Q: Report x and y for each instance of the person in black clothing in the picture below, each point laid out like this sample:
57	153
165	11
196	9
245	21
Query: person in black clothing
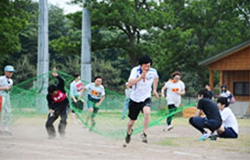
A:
58	104
212	121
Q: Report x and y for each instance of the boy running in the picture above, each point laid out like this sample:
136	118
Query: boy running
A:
76	93
141	79
58	104
175	88
96	95
6	84
212	121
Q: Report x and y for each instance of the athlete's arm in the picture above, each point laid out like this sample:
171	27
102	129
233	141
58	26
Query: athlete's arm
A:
163	91
50	103
5	88
82	91
61	82
72	93
155	85
100	102
181	92
132	82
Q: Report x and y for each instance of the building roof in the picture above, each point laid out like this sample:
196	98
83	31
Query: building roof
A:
225	53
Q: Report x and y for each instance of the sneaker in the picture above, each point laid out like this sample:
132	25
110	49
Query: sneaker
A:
92	126
213	137
128	137
144	138
204	137
168	128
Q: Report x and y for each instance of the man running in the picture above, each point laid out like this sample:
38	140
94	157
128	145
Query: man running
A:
6	83
141	79
175	88
58	104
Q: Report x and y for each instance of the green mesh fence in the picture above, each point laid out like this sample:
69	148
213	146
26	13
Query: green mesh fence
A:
29	99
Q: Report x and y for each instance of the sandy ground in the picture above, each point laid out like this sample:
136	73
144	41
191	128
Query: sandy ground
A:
29	142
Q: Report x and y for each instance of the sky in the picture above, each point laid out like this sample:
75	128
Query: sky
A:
63	4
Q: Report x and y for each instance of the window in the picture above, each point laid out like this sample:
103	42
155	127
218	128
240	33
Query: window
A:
241	88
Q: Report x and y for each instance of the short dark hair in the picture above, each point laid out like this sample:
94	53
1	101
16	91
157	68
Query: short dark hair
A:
52	88
223	100
97	77
175	73
204	92
224	86
75	75
145	60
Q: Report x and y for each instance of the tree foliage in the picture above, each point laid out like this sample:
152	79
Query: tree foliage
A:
176	34
13	19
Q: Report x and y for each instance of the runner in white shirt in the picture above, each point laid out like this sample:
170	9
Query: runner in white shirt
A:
229	127
141	79
175	88
6	84
76	93
96	95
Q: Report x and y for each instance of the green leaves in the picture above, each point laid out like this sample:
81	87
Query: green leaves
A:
12	21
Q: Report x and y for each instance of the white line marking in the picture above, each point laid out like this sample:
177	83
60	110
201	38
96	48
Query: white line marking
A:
187	154
155	150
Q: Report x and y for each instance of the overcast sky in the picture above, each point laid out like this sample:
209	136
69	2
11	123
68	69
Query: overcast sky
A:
63	4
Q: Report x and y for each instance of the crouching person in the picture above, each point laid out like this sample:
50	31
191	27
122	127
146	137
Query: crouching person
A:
212	121
229	127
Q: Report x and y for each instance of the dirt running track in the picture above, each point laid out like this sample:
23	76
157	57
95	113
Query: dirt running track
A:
29	142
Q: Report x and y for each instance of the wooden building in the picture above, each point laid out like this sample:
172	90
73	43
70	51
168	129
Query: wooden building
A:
234	67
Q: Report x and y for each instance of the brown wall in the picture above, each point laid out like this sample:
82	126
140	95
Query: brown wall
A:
237	61
229	77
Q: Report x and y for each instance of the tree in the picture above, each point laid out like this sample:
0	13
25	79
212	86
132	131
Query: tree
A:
13	19
129	17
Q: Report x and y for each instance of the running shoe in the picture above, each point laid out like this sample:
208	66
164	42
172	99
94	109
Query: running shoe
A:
144	138
168	128
128	137
204	137
213	137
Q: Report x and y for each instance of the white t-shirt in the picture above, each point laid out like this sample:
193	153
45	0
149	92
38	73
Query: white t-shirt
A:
142	90
229	119
5	82
172	88
226	94
94	91
75	88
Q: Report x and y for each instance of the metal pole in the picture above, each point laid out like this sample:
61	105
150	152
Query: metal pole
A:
43	51
86	43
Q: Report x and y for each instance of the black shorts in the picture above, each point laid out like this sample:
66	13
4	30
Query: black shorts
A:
78	106
135	108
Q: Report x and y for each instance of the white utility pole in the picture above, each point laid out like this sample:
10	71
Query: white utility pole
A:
43	50
86	49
